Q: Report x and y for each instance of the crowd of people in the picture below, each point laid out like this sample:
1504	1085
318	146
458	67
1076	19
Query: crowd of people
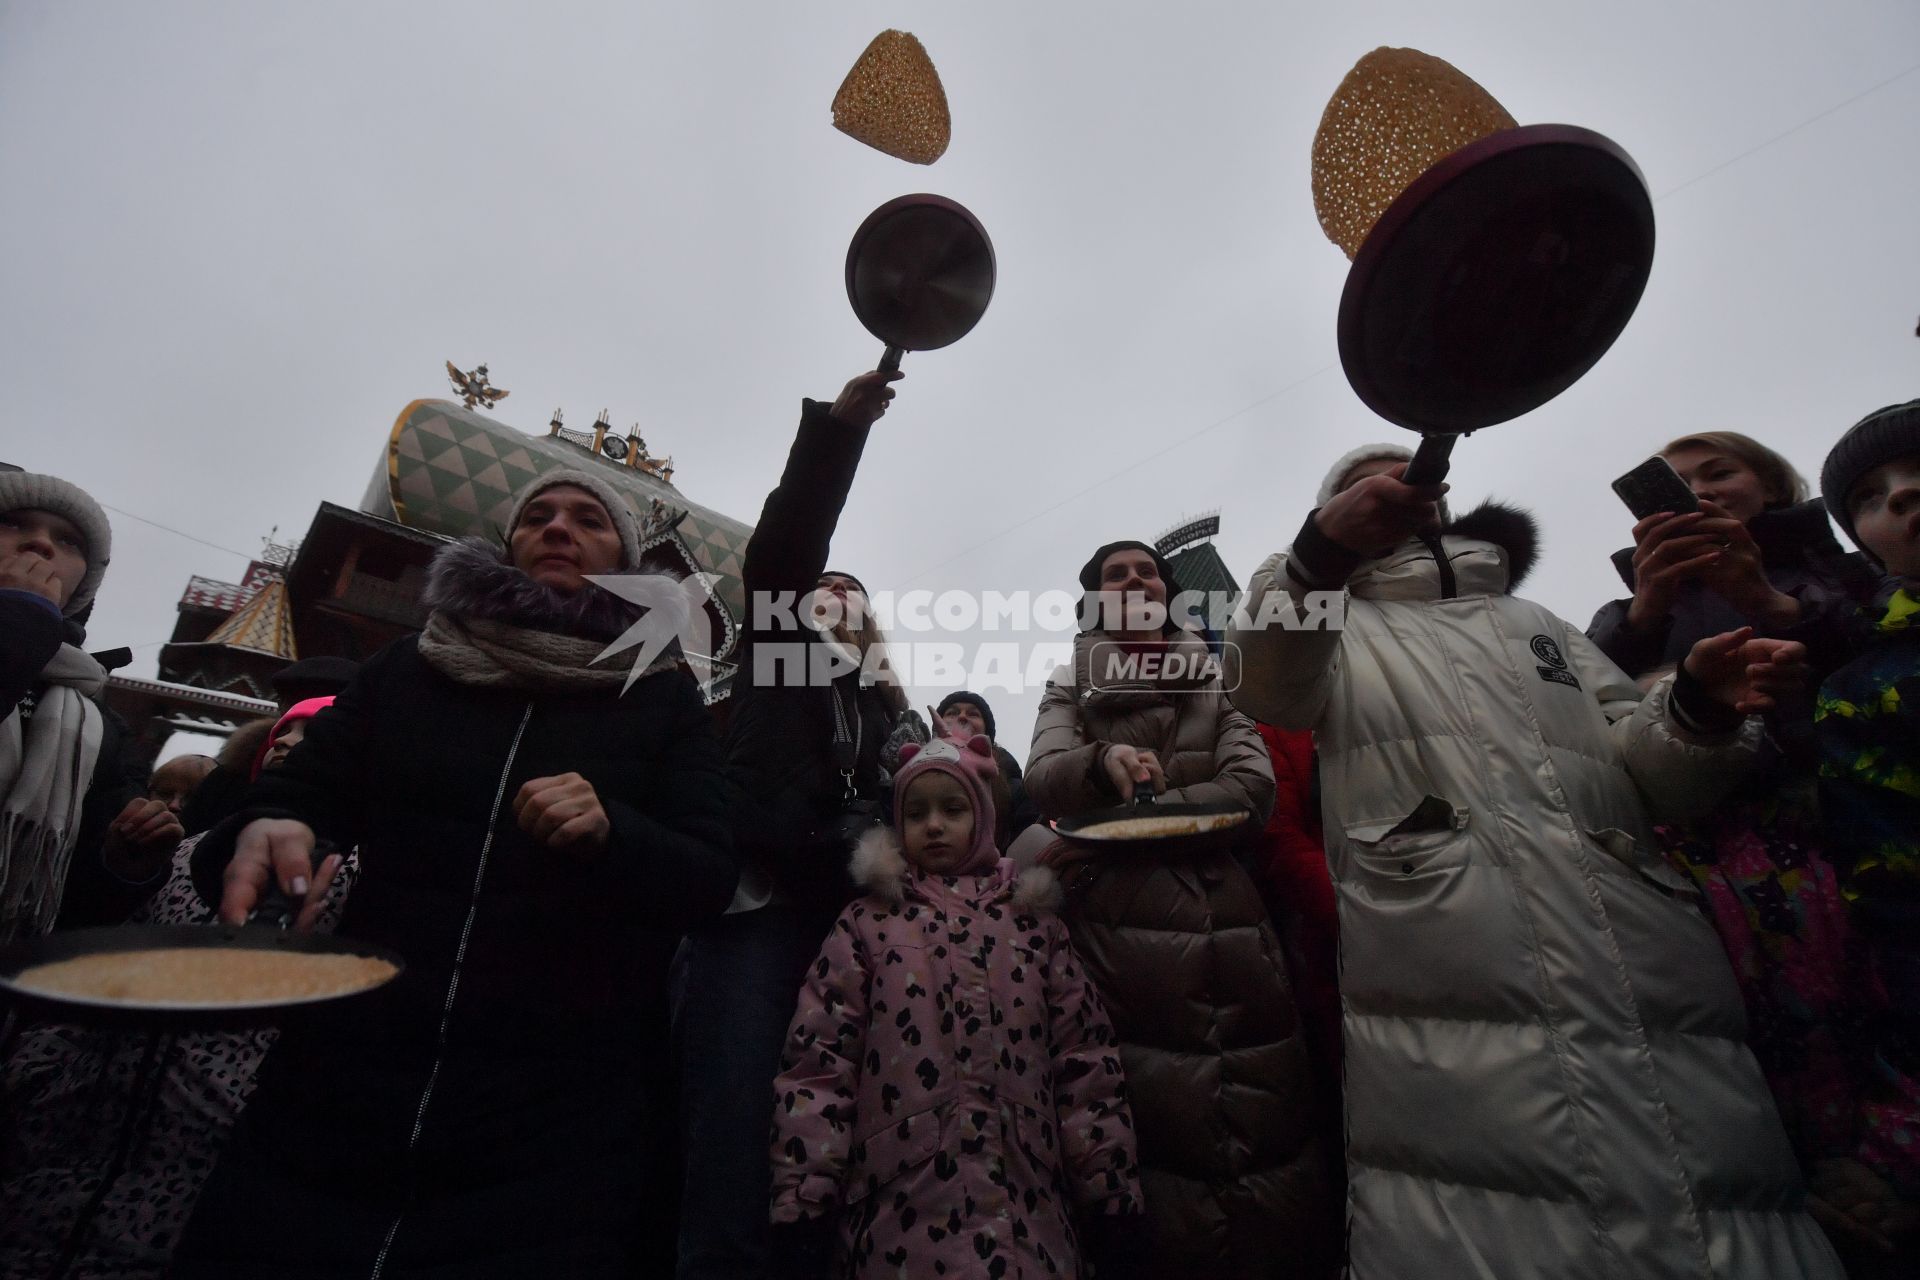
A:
1545	952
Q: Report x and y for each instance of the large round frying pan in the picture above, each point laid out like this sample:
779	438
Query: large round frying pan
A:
920	273
21	956
1494	281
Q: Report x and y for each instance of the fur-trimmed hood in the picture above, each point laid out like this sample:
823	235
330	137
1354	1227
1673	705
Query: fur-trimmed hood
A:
1487	552
471	578
1508	527
880	866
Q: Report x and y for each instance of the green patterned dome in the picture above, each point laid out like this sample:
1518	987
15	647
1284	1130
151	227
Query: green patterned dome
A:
453	471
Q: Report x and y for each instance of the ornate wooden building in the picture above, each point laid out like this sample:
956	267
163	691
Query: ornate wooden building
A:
354	582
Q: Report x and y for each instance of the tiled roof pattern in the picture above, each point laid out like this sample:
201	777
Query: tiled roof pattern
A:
210	593
264	623
451	470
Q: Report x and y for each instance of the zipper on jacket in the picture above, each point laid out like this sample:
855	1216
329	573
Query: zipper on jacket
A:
453	984
1449	588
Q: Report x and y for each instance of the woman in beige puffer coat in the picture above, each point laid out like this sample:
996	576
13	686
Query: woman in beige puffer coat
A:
1181	949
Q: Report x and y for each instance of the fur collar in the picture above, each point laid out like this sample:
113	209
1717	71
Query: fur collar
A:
881	868
1508	527
471	578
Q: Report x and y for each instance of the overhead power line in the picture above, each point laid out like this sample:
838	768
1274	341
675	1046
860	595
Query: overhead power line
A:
175	532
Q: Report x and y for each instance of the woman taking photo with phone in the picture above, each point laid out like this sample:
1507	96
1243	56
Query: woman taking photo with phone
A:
1755	553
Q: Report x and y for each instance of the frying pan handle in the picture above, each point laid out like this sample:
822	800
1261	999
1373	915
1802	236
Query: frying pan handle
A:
890	359
1430	460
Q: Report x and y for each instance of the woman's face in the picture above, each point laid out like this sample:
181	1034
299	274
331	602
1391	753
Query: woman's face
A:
565	534
964	721
52	538
840	606
1721	478
1131	577
283	745
936	823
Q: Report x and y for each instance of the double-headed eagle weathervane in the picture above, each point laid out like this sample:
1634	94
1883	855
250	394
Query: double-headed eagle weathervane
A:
473	387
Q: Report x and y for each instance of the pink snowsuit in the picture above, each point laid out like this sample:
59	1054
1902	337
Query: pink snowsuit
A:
951	1088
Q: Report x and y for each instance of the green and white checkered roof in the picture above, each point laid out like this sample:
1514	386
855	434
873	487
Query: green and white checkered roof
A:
451	470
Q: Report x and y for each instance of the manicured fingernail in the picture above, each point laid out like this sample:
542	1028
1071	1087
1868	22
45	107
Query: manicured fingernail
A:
297	885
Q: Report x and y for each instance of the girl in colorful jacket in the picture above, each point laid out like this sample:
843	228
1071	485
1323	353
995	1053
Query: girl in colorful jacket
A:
950	1100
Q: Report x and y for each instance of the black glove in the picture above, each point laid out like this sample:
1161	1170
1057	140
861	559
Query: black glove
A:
1116	1245
802	1250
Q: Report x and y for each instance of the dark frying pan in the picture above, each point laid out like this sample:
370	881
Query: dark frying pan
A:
1493	282
1075	828
920	273
21	956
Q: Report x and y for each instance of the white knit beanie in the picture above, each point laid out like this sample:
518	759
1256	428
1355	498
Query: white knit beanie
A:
624	520
27	491
1365	453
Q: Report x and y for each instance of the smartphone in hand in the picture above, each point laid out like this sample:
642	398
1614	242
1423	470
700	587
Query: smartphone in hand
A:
1654	487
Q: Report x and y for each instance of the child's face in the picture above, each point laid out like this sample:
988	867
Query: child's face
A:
290	737
1885	506
937	823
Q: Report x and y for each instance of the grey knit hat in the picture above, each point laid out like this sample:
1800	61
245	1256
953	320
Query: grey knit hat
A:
1880	437
1365	453
26	491
624	520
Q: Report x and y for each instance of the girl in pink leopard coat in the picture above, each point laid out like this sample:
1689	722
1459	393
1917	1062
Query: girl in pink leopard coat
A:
950	1101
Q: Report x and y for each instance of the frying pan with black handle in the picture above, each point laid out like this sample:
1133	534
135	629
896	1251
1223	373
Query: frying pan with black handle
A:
920	273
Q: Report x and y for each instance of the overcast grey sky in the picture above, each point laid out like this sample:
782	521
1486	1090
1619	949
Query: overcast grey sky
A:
239	237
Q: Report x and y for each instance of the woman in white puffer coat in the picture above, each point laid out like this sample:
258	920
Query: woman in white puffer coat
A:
1546	1073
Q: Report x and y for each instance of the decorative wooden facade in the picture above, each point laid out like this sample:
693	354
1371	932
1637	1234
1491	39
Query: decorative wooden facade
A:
355	581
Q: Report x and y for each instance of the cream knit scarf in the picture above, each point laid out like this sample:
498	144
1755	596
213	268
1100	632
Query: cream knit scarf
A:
479	651
46	766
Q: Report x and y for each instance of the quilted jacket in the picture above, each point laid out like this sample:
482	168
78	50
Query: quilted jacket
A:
1190	967
1545	1067
950	1090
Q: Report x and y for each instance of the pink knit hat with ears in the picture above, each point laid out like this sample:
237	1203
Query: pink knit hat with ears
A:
973	764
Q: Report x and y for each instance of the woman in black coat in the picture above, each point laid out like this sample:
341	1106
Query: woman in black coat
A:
532	842
800	754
